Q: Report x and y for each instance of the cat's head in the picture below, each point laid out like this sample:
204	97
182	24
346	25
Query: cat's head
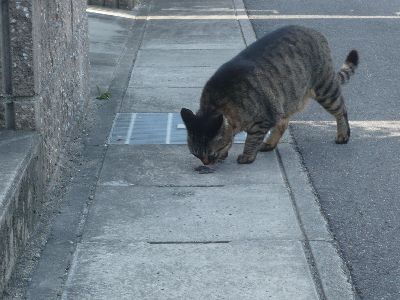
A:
209	137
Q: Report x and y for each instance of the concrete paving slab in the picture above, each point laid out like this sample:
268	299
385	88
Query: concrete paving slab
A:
193	34
108	48
160	99
160	43
102	59
129	213
171	76
191	7
200	11
184	58
106	29
108	37
173	165
193	28
237	270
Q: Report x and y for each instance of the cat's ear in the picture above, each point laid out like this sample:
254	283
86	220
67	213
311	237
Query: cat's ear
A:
188	118
215	124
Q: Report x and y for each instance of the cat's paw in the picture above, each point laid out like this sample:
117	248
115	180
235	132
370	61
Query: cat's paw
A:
245	159
223	156
266	147
342	139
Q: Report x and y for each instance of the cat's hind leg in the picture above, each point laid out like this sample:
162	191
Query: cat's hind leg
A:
275	135
332	100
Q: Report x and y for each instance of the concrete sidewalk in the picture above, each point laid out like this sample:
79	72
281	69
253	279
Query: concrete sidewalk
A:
156	229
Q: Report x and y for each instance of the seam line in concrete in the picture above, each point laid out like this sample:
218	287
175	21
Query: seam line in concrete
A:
261	239
71	272
246	28
138	49
187	242
238	21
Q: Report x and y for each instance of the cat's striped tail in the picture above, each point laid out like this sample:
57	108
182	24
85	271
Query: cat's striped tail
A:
348	67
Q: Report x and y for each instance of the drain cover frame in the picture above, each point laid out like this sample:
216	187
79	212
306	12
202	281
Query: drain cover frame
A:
151	129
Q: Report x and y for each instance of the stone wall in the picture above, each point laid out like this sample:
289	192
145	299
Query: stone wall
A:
48	48
61	52
17	53
121	4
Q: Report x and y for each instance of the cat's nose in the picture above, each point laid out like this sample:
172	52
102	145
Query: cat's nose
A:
205	161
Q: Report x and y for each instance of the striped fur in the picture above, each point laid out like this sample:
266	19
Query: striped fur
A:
348	67
261	88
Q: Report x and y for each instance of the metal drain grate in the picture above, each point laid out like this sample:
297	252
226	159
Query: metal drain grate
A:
151	128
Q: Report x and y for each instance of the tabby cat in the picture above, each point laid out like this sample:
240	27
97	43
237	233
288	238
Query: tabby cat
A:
259	89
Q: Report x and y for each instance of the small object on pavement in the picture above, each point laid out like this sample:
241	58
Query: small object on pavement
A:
204	169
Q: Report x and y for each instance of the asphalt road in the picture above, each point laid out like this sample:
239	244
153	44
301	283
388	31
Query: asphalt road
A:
357	183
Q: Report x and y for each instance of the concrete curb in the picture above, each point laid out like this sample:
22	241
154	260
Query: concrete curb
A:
248	33
327	267
331	276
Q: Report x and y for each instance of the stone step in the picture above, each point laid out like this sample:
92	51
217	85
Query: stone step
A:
20	195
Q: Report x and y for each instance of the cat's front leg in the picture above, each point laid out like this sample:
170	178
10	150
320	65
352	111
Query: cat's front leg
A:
251	146
223	156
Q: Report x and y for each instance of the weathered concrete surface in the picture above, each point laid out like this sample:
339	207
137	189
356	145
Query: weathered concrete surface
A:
183	58
236	270
21	194
193	34
108	35
164	99
193	67
171	77
191	214
172	165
